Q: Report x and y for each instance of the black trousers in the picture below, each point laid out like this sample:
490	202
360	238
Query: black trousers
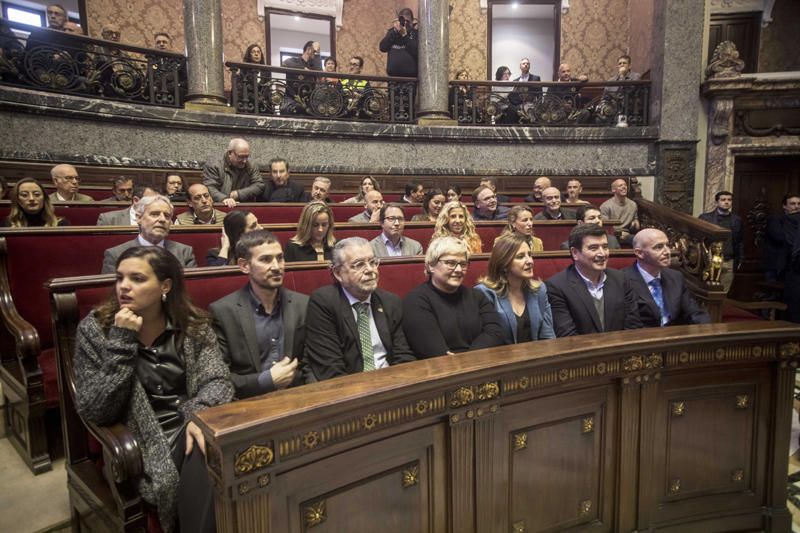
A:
195	495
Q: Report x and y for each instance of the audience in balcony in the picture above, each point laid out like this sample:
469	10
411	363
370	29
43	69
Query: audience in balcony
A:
162	41
454	221
432	204
592	215
504	110
56	17
201	208
330	65
541	183
261	327
520	95
414	193
356	90
624	73
174	188
519	300
314	239
280	187
67	182
237	223
148	358
254	54
552	206
235	178
368	183
319	189
373	202
354	67
587	297
401	45
72	27
573	192
308	60
127	215
733	247
453	193
154	217
661	292
121	189
520	222
391	242
620	207
441	316
486	206
31	207
464	102
353	325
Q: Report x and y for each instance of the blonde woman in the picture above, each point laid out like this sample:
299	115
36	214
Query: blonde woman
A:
520	221
519	298
31	207
454	221
368	183
314	239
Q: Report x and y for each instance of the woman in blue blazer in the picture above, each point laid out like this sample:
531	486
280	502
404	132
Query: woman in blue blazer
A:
520	300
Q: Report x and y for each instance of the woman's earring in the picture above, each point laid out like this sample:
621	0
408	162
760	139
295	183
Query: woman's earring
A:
164	297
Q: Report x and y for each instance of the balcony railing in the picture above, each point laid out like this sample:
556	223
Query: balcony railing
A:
49	60
287	92
485	103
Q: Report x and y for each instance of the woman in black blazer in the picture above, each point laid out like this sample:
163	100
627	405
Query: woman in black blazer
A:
314	239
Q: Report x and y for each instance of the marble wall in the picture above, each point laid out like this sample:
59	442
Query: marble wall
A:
775	53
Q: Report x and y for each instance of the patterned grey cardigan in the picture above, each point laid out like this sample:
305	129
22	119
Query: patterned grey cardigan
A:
108	391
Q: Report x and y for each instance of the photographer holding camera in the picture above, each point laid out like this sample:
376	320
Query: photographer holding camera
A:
401	43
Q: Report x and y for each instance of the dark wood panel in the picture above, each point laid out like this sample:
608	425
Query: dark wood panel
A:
741	28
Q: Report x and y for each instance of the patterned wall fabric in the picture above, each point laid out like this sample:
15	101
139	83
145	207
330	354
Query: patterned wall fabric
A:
138	20
593	35
641	37
468	27
364	23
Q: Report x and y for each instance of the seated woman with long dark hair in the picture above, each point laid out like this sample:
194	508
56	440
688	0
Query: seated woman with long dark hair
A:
432	204
314	239
235	224
368	183
31	207
149	359
519	299
441	316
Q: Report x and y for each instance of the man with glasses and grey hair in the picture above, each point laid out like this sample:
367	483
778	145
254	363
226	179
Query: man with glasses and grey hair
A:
67	182
353	326
234	179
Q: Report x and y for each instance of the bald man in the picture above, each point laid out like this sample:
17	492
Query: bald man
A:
661	293
235	178
620	207
551	197
67	182
541	183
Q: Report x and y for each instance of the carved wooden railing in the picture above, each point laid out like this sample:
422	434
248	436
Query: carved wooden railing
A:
279	91
684	427
50	60
483	103
697	251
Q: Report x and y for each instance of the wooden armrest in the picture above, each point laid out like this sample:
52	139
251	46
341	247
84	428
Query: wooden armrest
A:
120	451
756	306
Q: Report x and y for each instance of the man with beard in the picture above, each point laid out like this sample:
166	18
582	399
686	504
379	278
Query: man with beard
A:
126	216
353	326
661	292
552	207
261	327
373	203
280	187
154	216
588	297
235	178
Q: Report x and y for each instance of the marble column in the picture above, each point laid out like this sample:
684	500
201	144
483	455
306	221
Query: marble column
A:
433	62
202	20
675	99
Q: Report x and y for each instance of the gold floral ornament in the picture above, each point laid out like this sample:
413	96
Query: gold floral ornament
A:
315	514
253	458
520	441
410	476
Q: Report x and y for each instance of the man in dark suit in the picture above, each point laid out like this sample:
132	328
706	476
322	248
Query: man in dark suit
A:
525	94
587	297
261	327
353	326
733	248
780	234
280	188
154	216
661	292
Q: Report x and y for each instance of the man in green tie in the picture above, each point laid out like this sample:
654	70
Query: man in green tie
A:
353	326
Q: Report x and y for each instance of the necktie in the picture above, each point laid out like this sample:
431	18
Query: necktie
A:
364	335
658	296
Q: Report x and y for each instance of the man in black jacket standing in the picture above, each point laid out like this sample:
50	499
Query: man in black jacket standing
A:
732	249
400	43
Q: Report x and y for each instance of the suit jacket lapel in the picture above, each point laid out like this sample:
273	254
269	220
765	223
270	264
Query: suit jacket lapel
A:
346	311
381	323
508	311
644	291
288	317
244	312
579	288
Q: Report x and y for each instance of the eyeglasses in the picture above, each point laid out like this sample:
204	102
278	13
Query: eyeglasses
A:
392	220
355	65
452	265
71	178
360	266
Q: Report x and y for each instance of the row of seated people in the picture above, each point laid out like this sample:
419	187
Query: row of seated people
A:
149	358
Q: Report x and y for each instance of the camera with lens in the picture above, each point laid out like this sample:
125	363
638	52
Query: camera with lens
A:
402	20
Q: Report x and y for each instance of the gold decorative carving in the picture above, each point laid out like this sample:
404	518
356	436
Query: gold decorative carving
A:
462	396
737	476
790	349
587	424
488	391
422	407
454	419
555	377
519	527
471	393
678	408
315	514
674	486
713	263
742	401
263	480
737	352
244	488
311	439
520	441
370	421
253	458
636	363
563	374
470	414
410	476
585	507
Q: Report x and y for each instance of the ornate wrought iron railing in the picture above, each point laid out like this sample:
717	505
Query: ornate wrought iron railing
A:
287	92
50	60
484	103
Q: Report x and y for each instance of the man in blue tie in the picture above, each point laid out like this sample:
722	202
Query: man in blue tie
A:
661	292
